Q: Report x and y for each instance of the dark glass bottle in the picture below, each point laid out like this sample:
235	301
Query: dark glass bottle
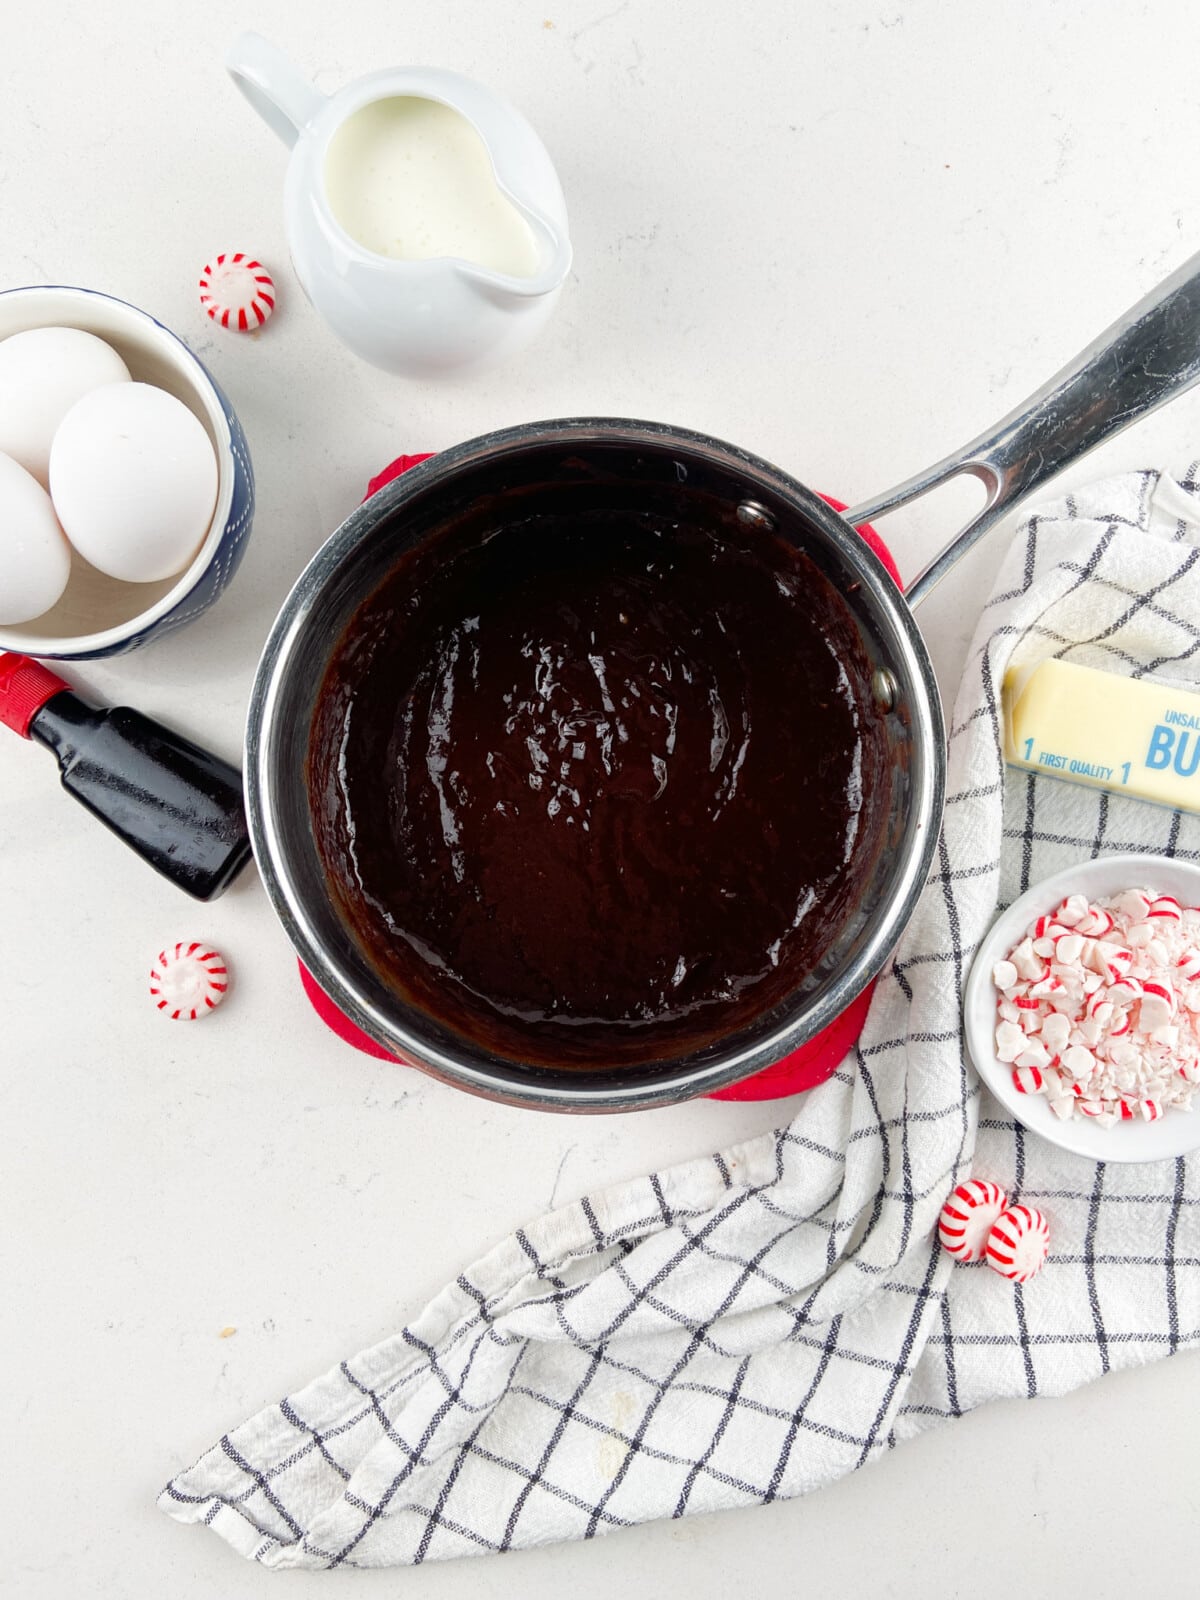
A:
177	805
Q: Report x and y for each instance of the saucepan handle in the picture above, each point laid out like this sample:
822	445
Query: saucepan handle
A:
1146	358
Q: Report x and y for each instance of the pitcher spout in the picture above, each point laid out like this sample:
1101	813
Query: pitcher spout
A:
554	257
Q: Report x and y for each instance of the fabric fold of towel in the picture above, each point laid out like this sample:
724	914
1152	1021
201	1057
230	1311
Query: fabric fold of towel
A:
755	1324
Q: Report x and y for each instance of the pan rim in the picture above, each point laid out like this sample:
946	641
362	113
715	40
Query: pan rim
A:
539	1089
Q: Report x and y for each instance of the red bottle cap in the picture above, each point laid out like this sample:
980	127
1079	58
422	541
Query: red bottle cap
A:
25	686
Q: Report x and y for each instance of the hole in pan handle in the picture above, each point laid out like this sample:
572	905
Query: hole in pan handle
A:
1144	359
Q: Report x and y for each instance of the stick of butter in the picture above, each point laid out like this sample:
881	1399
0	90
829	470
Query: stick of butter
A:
1130	735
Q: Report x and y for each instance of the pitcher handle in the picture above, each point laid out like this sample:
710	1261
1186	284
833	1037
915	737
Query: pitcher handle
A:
1147	357
285	100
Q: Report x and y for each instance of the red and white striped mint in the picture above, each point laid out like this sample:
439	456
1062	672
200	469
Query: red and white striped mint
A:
1166	909
1124	991
1017	1243
968	1216
1073	910
237	291
1027	1078
188	981
1149	1110
1110	960
1100	1008
1133	904
1158	1004
1095	923
1045	989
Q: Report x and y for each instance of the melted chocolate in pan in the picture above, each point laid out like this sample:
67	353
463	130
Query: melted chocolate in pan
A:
597	789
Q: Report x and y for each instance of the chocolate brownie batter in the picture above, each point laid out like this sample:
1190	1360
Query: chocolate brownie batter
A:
596	790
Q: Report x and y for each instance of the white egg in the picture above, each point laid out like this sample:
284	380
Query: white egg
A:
43	372
35	558
134	480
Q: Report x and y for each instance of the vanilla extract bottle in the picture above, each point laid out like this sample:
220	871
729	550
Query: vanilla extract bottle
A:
176	804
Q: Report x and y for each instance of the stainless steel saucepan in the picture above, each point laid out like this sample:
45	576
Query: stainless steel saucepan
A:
1150	355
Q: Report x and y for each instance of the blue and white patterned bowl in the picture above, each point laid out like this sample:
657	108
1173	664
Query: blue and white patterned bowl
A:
98	615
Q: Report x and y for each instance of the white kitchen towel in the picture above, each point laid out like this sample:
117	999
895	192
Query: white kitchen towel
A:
755	1324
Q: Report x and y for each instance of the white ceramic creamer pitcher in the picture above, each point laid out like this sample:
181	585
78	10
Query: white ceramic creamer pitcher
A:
441	311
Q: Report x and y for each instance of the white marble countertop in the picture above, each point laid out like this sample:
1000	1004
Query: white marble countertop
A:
846	236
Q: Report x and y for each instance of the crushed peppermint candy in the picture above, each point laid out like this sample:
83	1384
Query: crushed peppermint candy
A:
1099	1007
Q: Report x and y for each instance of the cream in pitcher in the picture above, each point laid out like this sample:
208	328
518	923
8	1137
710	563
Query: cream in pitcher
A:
409	178
425	219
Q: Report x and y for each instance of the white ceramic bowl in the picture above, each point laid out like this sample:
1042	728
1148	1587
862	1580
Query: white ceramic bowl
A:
99	615
1177	1132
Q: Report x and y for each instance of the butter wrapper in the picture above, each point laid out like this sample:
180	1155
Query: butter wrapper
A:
1128	735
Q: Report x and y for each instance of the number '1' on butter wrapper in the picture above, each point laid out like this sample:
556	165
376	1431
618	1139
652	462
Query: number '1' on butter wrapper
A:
1129	735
